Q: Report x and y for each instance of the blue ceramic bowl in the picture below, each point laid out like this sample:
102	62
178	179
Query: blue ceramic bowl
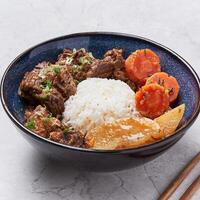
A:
98	43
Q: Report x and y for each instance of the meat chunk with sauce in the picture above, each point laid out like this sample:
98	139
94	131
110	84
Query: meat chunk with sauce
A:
116	57
64	83
111	66
72	138
31	82
113	61
49	85
42	123
101	69
78	61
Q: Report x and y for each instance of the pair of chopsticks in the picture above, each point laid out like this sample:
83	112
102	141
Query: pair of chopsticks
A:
180	178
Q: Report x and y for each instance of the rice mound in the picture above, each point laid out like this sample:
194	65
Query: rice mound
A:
99	101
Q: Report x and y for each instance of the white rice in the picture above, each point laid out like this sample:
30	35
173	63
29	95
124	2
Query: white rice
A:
99	101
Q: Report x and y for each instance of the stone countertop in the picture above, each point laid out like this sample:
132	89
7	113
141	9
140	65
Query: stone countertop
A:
24	173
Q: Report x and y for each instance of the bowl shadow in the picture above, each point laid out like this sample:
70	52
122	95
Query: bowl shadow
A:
60	180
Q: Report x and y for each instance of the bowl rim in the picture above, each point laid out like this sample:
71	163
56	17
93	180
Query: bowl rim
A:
121	151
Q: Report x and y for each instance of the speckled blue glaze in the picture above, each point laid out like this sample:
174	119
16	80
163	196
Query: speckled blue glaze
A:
98	44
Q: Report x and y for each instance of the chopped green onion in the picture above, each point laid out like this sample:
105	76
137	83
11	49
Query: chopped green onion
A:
49	115
76	82
30	124
47	119
59	117
83	61
56	70
47	85
68	130
75	69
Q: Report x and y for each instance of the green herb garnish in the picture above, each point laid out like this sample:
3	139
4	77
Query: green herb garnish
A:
47	119
56	70
59	117
47	85
30	124
75	69
76	82
49	115
67	130
84	60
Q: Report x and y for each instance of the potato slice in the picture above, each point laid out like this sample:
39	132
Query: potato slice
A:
123	134
170	120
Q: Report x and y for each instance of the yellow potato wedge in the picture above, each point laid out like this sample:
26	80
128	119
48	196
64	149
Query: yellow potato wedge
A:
130	132
170	120
123	134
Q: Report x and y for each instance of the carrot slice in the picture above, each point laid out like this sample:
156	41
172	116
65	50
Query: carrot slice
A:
142	64
168	82
152	100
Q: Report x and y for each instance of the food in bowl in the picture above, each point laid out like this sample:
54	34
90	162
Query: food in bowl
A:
109	103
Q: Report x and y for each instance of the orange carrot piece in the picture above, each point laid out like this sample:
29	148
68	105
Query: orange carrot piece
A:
152	100
168	82
141	64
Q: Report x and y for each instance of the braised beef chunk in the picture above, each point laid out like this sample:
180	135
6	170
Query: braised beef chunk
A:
116	57
35	119
64	83
78	61
73	138
109	66
49	85
101	69
31	83
41	122
54	101
63	57
75	57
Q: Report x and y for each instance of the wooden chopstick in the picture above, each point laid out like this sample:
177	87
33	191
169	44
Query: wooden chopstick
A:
191	189
179	179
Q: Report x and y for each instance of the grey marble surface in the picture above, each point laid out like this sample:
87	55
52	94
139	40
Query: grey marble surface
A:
24	173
